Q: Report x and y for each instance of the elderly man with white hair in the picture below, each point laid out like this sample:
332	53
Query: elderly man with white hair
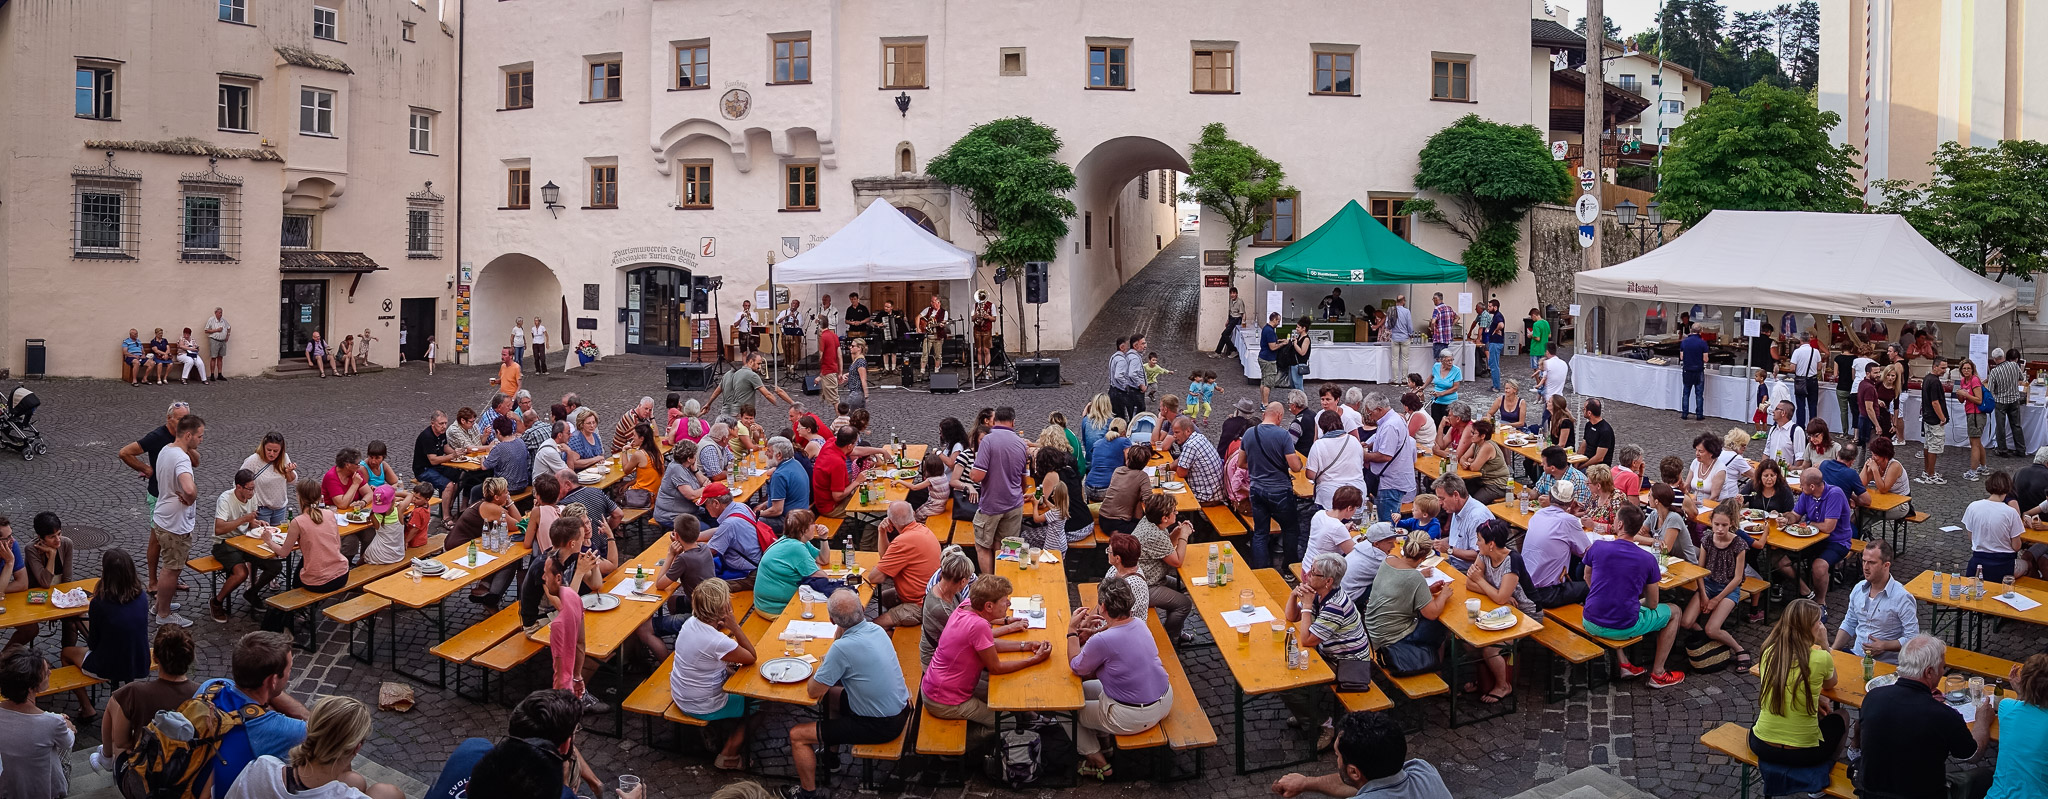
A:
2004	382
1556	538
622	433
910	556
1389	457
872	705
1909	733
714	453
1198	463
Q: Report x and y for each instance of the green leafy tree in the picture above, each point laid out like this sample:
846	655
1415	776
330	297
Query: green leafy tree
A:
1987	207
1234	180
1015	190
1490	174
1761	149
1611	30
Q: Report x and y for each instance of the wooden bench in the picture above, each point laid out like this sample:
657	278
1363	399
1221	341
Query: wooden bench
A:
461	647
509	653
1732	739
831	524
212	568
69	678
1226	523
939	737
1574	617
347	613
1375	700
652	698
1986	666
1187	725
2031	583
911	661
300	600
1571	647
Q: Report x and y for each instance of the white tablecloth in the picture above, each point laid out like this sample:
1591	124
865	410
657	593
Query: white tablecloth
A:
1652	386
1369	363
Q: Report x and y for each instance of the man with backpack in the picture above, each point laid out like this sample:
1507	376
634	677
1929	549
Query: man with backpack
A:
737	541
228	724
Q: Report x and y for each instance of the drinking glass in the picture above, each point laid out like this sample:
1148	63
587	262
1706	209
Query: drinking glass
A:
1279	631
1976	689
807	610
628	783
1038	606
1244	636
790	647
2008	586
1244	601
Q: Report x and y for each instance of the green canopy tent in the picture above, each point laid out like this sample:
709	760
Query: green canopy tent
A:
1353	248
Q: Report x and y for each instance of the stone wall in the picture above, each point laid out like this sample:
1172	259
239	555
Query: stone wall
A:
1555	256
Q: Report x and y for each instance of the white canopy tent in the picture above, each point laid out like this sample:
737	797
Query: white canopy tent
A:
1872	265
880	244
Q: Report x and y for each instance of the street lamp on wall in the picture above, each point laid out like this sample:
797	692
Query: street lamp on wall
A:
551	196
1652	219
903	103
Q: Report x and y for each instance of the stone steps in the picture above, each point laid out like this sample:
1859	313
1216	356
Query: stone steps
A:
87	784
1586	783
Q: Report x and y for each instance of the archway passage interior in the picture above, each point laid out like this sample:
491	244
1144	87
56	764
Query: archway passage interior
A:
512	287
1126	196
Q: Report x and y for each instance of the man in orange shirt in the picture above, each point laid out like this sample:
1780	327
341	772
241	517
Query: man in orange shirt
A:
910	556
508	377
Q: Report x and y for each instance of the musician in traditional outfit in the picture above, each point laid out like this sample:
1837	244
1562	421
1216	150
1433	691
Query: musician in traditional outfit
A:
743	333
791	320
886	333
932	323
984	328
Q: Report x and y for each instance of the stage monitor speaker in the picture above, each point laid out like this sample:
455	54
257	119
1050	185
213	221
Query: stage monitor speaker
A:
1035	278
689	377
811	385
945	383
1038	373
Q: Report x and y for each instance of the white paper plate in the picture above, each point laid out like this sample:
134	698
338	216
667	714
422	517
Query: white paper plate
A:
1880	681
355	518
597	603
1504	623
785	671
1173	486
1794	530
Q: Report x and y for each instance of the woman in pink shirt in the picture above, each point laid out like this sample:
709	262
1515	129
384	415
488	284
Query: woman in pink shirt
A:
952	685
315	534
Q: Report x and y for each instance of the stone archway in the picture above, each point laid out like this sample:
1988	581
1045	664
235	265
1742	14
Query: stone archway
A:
1119	225
512	286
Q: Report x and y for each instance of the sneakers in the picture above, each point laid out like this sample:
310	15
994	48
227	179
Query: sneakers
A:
1934	479
219	609
795	791
1974	475
99	765
1326	739
174	618
1667	679
1630	671
591	706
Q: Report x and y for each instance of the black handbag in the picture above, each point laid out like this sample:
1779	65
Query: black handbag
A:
1353	674
1404	659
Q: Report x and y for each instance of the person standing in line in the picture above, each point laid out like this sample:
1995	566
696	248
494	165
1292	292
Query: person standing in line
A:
1227	344
1539	337
519	339
1807	363
1496	340
217	329
1933	420
540	345
172	521
1443	325
1270	376
1400	328
2007	384
1692	359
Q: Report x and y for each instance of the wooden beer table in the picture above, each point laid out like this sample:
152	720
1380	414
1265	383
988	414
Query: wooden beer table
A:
1261	667
1467	631
413	591
1969	613
748	681
15	610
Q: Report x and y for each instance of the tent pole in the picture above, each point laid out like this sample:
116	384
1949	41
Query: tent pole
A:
775	371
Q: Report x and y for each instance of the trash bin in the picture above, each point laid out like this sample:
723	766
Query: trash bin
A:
36	354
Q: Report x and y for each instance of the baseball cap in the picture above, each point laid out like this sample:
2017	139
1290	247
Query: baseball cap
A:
716	490
1380	531
380	498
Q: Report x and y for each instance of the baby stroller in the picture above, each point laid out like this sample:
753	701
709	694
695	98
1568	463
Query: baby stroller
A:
17	428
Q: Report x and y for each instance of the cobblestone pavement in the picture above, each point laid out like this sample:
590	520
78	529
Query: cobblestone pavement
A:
1647	737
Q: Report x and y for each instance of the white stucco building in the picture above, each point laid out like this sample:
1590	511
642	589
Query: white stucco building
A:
688	144
291	163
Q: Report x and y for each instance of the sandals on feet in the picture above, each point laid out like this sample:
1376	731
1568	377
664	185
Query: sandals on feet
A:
1742	662
1491	698
1100	773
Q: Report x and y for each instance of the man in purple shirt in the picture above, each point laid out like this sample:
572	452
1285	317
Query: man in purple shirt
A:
1389	458
1555	537
999	468
1622	604
1825	507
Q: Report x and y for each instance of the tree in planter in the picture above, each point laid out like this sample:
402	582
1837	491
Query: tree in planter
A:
1015	191
1236	181
1761	149
1491	173
1987	207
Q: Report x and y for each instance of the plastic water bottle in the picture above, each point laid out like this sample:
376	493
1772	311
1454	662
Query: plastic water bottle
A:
1955	585
846	551
1223	569
1938	580
472	552
1977	584
1214	555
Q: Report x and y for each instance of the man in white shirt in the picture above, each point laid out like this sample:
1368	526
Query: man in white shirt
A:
519	339
743	328
1785	437
547	459
217	330
826	317
176	513
1332	399
1882	616
540	346
234	513
1550	376
1806	368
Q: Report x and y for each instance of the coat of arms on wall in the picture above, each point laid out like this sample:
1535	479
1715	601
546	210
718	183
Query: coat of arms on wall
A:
736	103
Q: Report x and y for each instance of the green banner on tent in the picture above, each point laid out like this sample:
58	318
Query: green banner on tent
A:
1354	248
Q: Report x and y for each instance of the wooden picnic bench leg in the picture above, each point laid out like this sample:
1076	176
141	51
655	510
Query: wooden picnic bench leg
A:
440	634
369	656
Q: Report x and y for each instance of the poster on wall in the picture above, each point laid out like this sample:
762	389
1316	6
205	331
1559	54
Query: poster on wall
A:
465	274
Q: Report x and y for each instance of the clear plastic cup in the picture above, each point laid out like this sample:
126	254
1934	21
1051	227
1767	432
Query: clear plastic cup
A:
2008	586
1976	689
1244	636
628	783
1244	601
